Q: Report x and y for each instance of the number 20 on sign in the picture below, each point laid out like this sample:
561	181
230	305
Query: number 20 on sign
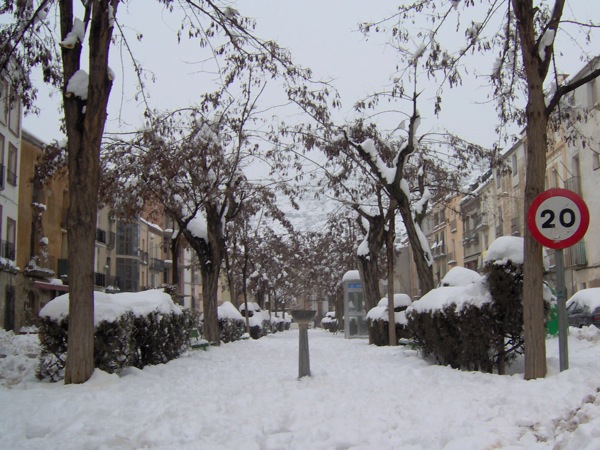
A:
558	218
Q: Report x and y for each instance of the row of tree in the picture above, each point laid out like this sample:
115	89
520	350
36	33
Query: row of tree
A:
194	162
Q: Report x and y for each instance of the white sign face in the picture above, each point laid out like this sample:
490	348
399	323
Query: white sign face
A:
558	218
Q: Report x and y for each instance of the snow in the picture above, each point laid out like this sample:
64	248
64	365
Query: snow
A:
198	227
475	293
246	395
109	307
351	275
78	84
380	312
587	297
74	36
460	276
228	311
388	173
504	249
546	41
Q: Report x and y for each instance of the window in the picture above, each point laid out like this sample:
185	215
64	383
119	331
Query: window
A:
1	161
593	92
100	236
596	160
3	102
11	237
514	167
554	180
128	272
14	118
11	170
127	239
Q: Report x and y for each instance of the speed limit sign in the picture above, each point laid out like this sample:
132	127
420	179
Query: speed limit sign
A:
558	218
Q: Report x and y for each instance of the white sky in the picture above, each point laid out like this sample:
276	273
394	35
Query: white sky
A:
321	35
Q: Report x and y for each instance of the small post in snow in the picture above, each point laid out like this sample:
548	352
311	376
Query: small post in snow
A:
303	317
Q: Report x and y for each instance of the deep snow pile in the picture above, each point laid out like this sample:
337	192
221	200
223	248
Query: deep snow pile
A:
245	395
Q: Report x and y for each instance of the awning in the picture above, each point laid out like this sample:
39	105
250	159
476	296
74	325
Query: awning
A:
51	286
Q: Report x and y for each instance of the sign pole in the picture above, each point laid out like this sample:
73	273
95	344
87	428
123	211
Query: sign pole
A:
559	218
563	344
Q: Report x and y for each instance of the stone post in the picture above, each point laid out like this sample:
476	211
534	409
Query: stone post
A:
303	317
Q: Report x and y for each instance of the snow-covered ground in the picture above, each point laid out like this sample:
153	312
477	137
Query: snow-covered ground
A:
245	395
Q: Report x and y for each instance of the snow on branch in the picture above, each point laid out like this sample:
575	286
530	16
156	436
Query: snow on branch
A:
75	36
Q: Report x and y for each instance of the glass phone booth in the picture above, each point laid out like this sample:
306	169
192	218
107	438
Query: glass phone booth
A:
355	315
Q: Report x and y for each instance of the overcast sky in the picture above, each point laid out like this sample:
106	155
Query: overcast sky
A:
321	34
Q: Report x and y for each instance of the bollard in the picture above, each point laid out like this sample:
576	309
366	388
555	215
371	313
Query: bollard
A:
303	317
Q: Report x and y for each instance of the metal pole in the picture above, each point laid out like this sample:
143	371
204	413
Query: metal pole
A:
303	355
563	345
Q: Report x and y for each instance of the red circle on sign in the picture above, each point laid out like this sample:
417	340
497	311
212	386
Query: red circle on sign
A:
544	198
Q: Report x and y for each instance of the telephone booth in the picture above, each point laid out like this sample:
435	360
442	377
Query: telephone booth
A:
355	315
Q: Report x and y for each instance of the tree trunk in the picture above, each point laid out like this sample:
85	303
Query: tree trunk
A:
424	269
84	120
537	123
391	234
175	263
210	289
369	274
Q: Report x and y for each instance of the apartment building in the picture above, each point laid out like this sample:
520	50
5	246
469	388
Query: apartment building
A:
444	230
494	206
10	135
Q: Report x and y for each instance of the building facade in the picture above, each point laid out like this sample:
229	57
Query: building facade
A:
10	135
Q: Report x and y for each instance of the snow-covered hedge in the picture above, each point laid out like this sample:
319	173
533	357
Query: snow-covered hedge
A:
231	323
378	320
259	320
476	325
131	329
329	322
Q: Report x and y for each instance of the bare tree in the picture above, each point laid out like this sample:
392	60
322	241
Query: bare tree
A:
523	36
28	41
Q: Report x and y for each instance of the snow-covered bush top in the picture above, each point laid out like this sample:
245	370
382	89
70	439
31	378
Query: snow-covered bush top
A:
228	311
252	306
381	313
505	248
351	275
399	301
508	248
460	276
475	294
109	307
587	297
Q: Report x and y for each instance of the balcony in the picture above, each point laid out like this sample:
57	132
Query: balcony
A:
515	227
157	264
575	255
99	279
499	231
572	184
7	250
